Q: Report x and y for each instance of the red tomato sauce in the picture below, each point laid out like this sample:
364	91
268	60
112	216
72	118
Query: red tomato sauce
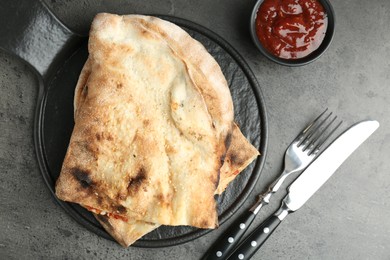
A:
97	211
291	29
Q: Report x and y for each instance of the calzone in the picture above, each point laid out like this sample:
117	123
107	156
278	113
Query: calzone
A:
152	127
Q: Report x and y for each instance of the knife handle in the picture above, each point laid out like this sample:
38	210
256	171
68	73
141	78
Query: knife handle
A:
256	239
229	239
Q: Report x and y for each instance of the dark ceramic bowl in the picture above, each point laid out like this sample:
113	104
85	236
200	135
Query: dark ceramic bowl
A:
301	61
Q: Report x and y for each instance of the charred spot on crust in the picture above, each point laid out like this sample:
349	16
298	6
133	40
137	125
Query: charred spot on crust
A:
85	91
104	219
120	209
92	149
222	159
136	182
160	197
216	183
82	176
204	223
99	200
121	196
101	136
235	159
228	140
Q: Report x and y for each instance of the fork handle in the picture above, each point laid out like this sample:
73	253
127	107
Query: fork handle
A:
229	239
253	242
256	239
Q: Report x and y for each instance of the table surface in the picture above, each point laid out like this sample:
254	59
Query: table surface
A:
347	219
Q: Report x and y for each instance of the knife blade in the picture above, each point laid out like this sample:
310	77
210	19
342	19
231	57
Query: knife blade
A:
318	172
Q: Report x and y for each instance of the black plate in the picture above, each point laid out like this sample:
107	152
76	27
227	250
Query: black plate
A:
54	124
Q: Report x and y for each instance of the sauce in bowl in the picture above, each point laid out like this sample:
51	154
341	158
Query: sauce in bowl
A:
291	29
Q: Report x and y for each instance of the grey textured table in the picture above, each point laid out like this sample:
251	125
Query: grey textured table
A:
347	219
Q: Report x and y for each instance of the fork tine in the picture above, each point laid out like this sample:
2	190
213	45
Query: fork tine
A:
314	140
315	136
308	129
310	137
314	148
319	145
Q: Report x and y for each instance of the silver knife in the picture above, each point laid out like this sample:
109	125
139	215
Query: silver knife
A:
307	184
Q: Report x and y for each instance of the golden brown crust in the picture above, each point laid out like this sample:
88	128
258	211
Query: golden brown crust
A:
81	90
116	173
150	128
125	233
204	70
239	155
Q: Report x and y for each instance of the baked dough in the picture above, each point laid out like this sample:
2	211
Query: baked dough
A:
239	155
154	137
153	122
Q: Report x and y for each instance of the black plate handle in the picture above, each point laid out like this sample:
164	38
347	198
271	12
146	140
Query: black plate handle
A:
32	32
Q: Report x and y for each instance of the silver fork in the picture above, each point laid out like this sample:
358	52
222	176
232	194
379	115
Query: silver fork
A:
300	153
298	156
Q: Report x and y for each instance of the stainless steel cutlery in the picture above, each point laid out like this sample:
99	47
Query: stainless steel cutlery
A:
301	152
